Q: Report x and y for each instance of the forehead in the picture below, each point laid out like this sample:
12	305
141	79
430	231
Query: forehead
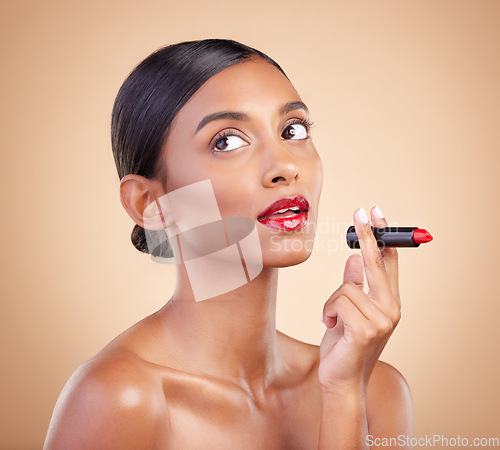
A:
240	87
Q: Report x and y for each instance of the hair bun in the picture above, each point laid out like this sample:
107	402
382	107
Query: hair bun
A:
156	239
139	239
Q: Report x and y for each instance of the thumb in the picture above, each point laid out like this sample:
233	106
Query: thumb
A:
354	270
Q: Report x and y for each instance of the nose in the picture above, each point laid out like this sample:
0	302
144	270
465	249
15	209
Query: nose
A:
281	168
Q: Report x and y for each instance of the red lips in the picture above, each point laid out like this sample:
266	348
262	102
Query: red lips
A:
298	203
288	214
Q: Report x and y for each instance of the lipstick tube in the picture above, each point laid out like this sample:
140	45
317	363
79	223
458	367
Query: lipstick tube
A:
392	236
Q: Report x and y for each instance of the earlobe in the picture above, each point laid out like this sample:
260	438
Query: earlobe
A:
139	197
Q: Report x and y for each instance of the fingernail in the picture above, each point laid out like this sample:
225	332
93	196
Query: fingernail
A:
321	317
362	215
378	212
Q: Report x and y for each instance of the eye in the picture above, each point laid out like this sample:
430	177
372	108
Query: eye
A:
297	131
226	142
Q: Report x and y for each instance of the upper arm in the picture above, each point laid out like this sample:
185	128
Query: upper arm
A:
389	405
104	408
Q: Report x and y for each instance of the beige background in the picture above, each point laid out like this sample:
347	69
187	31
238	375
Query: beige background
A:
406	100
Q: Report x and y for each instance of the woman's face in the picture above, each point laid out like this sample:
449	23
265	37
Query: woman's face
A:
257	152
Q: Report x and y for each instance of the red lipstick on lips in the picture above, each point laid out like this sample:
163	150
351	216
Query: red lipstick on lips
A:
288	214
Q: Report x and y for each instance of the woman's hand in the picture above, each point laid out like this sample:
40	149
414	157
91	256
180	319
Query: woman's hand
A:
359	324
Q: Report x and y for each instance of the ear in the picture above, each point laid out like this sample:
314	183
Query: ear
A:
145	202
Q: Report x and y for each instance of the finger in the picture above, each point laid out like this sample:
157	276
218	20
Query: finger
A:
376	274
390	254
342	308
360	300
354	270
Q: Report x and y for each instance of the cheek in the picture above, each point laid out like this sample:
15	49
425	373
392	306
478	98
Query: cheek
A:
313	175
317	169
320	168
235	191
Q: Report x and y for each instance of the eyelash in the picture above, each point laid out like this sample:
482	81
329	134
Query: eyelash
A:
308	124
222	135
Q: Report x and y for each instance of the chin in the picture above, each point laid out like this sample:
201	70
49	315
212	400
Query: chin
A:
285	260
287	251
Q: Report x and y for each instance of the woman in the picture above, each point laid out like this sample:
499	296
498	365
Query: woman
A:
218	125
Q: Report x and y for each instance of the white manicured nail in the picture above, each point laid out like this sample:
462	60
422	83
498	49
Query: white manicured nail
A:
362	215
378	212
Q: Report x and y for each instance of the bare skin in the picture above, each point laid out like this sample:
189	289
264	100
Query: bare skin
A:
217	373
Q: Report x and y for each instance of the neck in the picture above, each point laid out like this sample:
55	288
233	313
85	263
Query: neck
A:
232	336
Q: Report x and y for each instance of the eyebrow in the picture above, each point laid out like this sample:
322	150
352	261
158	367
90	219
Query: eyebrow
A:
285	109
292	106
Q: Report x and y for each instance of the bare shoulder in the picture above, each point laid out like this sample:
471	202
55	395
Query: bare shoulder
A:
387	382
389	403
108	402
